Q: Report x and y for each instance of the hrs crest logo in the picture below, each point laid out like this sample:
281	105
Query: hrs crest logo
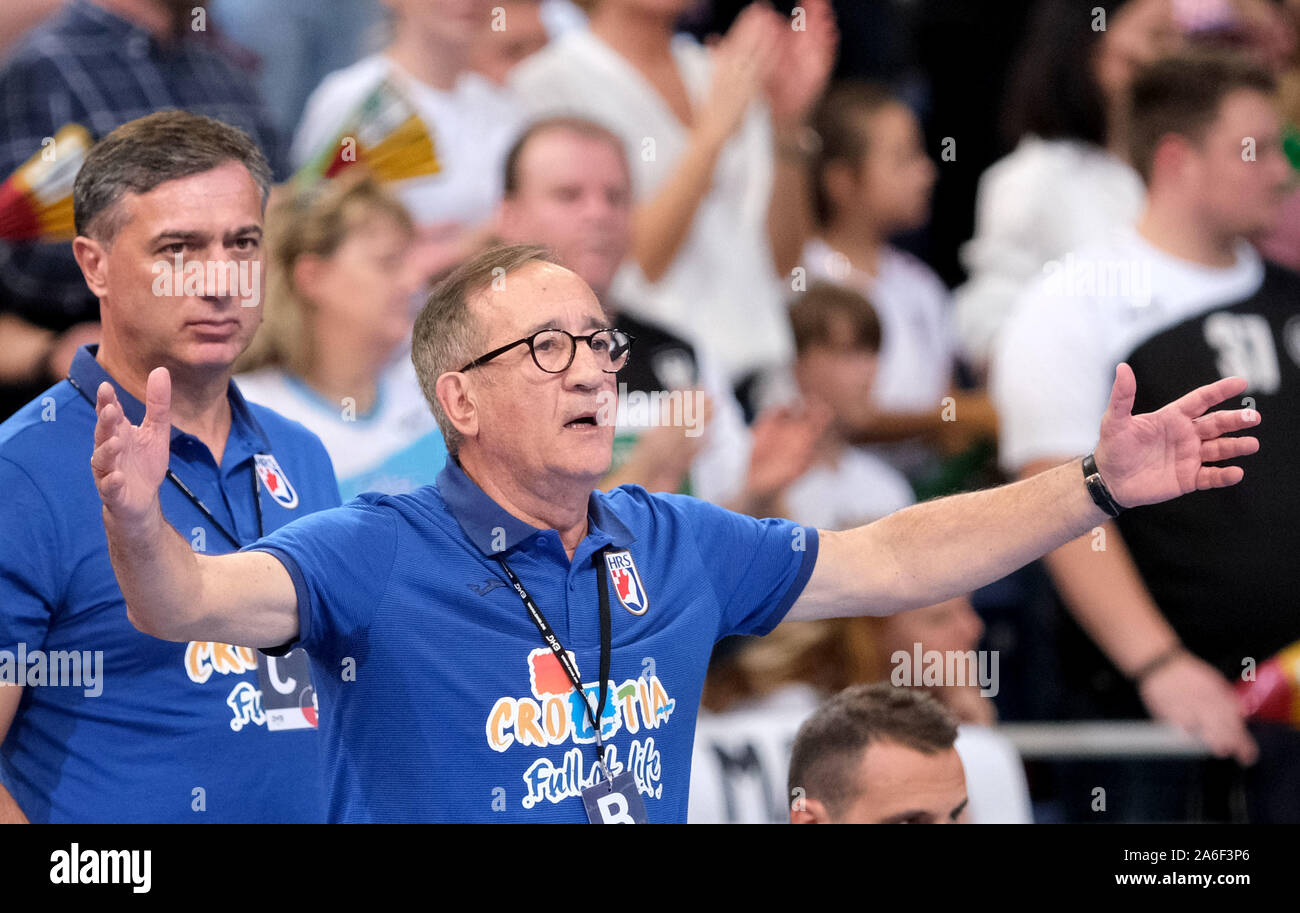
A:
627	582
275	481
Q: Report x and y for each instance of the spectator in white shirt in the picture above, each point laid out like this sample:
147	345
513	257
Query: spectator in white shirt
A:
472	121
871	180
340	304
717	141
1177	603
516	33
1067	181
837	338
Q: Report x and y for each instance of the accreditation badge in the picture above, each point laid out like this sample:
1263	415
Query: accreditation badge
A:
615	801
288	696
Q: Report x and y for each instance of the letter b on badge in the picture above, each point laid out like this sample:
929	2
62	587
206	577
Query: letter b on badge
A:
616	802
613	809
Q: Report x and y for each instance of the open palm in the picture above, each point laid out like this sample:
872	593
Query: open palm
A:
1149	458
129	462
784	445
804	63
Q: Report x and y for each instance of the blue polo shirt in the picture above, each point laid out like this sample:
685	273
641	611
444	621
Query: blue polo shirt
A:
445	705
165	732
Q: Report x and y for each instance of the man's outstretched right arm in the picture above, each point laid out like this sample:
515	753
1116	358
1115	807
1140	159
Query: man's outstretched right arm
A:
171	592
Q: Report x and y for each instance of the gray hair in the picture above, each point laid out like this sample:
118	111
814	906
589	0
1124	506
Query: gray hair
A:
151	150
446	334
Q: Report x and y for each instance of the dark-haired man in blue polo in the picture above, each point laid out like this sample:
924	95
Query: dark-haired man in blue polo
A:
100	723
511	644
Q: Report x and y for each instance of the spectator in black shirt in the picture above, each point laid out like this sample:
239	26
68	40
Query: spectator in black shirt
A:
1186	601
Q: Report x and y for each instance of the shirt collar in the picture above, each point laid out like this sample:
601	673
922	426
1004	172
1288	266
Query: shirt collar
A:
601	517
241	417
481	517
88	374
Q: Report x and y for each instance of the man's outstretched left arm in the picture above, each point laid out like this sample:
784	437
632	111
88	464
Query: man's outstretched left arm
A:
939	549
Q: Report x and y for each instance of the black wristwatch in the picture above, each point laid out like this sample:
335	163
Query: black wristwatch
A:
1101	495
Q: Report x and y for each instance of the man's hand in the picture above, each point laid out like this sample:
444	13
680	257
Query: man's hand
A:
743	60
129	463
805	59
1149	458
170	592
938	549
783	448
1192	695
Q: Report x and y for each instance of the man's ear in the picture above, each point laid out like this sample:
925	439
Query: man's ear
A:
810	811
92	257
453	392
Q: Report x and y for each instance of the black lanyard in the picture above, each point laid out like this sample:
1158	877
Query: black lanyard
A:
194	499
203	508
548	636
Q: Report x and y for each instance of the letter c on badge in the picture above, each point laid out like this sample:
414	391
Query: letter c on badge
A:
279	684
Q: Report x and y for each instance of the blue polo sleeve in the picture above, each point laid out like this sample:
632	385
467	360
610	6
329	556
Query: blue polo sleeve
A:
757	568
340	560
30	559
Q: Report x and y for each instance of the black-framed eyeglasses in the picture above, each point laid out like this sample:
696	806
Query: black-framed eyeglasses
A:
553	350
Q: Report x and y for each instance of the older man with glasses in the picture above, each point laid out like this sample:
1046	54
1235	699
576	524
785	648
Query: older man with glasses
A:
512	644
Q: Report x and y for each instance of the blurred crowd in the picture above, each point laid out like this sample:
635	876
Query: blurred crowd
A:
883	250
